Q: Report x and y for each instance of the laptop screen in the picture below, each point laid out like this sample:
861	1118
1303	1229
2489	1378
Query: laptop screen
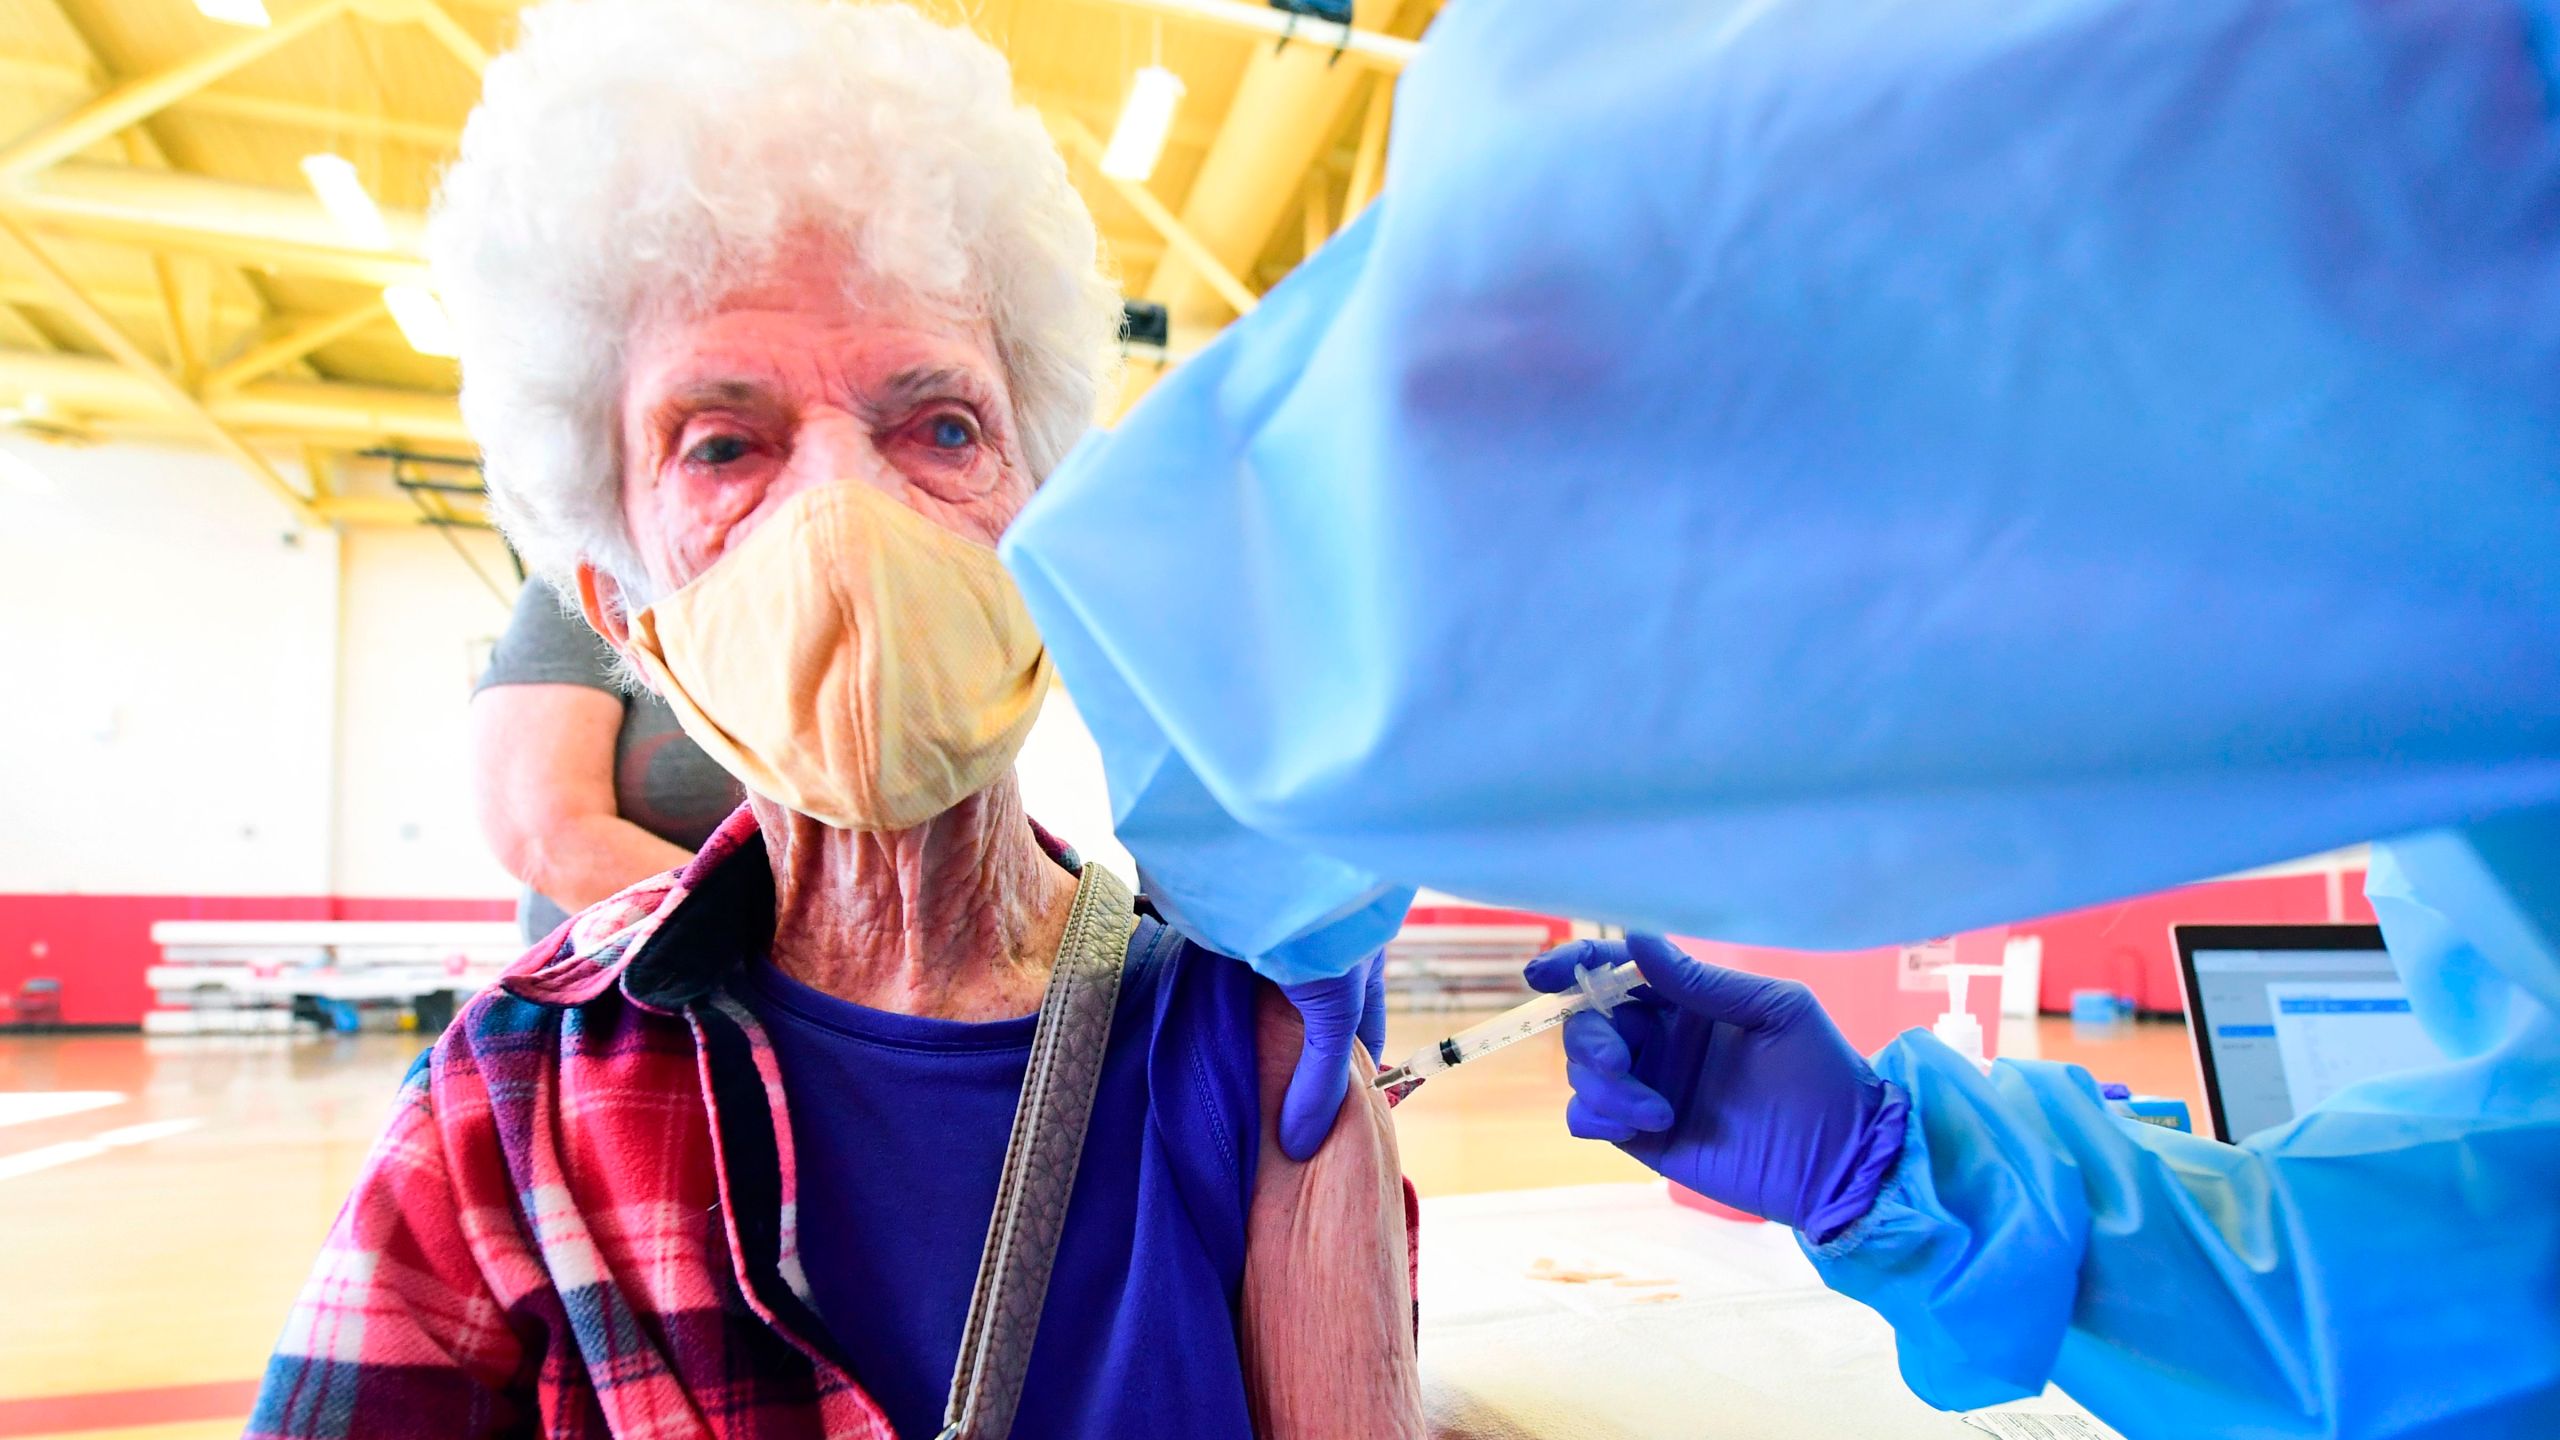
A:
2286	1016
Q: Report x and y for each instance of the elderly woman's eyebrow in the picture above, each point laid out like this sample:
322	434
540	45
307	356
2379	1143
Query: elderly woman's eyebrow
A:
723	393
906	389
667	416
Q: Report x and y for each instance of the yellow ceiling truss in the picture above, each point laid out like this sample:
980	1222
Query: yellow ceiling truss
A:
164	272
171	390
142	97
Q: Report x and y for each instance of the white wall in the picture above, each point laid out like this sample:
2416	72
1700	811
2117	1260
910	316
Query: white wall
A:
417	630
166	668
171	714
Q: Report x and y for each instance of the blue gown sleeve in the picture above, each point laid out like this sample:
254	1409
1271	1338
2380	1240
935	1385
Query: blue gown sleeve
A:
2387	1264
1827	472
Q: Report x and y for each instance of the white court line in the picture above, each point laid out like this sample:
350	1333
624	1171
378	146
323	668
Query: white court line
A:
46	1157
17	1107
146	1132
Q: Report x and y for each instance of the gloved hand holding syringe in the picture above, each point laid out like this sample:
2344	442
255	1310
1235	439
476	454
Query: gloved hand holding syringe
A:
1599	988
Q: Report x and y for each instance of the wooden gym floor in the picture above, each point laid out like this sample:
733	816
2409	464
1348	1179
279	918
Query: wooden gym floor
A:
161	1199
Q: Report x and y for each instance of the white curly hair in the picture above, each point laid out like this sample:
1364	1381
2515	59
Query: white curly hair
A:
631	154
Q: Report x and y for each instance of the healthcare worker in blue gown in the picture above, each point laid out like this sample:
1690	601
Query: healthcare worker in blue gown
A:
2386	1264
1831	472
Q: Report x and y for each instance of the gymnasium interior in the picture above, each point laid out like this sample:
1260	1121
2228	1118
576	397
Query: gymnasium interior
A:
250	585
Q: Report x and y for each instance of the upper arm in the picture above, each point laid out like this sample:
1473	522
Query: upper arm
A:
397	1330
1328	1298
544	725
542	756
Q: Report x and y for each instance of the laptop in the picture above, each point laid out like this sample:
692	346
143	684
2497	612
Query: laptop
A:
2284	1016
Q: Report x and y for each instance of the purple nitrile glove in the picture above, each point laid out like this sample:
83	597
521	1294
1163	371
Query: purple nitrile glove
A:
1337	1011
1735	1085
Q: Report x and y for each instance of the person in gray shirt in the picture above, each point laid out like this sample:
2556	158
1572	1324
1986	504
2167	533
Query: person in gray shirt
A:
582	788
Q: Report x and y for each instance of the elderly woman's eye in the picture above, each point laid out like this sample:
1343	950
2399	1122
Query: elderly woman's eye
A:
950	431
717	450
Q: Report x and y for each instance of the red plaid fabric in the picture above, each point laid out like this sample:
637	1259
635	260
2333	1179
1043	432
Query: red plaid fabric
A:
581	1221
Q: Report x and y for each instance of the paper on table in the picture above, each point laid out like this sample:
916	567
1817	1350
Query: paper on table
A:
2024	1425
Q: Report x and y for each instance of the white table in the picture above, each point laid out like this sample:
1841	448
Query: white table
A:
1709	1328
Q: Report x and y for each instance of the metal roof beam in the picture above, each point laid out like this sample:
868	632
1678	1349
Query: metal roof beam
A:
1284	106
1318	216
1369	49
291	344
1177	236
282	230
140	98
1189	129
128	305
247	224
184	357
21	318
1369	162
463	45
331	412
142	146
257	109
176	396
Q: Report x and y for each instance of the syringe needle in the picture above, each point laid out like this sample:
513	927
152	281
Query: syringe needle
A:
1596	989
1398	1081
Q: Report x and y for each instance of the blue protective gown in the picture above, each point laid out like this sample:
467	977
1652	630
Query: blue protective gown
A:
1829	472
1826	472
2386	1265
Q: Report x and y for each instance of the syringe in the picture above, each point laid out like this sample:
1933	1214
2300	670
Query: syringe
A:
1599	988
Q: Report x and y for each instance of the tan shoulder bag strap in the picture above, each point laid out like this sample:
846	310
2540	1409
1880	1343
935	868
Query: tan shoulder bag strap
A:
1040	1161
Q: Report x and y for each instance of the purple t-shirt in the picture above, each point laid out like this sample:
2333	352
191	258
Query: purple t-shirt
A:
900	1123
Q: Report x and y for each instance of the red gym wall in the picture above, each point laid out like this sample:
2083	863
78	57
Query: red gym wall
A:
1558	931
2125	947
99	945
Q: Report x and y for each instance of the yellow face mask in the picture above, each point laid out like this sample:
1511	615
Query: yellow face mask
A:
852	660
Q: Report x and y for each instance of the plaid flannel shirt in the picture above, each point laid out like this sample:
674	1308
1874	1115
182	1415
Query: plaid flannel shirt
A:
580	1221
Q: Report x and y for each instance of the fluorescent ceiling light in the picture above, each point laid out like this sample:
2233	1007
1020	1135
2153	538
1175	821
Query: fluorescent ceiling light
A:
421	318
235	12
1144	123
343	195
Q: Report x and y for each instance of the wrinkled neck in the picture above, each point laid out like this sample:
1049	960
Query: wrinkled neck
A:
957	918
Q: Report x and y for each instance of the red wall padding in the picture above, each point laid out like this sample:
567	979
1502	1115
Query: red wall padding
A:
99	945
2125	947
1558	931
2122	947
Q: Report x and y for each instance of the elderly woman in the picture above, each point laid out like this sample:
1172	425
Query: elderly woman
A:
773	314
